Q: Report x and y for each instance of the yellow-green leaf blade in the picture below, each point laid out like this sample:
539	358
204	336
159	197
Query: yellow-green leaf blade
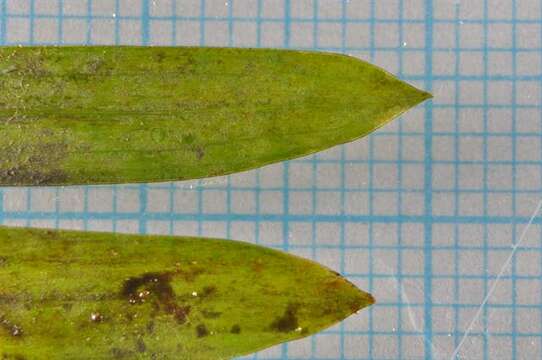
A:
81	295
87	115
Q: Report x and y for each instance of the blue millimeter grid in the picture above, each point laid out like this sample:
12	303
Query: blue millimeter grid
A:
421	213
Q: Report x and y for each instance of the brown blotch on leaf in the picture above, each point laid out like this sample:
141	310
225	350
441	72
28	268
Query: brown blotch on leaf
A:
288	321
201	330
155	289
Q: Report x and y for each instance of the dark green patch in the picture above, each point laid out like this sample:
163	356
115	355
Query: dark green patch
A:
288	321
140	345
208	314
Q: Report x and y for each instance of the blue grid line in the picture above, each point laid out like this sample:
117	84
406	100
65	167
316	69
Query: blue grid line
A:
485	170
514	180
428	228
400	199
372	30
456	175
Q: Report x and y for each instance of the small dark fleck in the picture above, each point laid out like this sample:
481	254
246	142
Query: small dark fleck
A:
3	261
235	329
96	317
121	353
288	321
201	330
140	345
150	327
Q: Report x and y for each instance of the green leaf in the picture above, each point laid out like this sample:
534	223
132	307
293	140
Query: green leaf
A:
89	115
81	295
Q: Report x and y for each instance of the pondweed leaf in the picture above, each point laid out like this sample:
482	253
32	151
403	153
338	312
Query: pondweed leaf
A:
82	295
91	115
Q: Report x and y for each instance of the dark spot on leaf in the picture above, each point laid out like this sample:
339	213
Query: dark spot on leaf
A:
235	329
200	152
3	261
201	330
288	321
160	56
208	291
150	327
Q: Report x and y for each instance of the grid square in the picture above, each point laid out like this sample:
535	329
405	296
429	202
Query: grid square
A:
358	35
130	32
17	30
444	62
444	36
42	200
471	177
328	203
45	7
443	177
188	32
245	8
527	9
357	203
161	32
18	6
161	8
107	7
385	176
128	201
271	202
499	36
499	204
499	63
528	36
273	9
499	9
216	8
272	35
72	31
70	200
302	35
220	33
243	202
471	204
244	34
300	233
387	35
356	176
385	203
103	32
414	36
329	35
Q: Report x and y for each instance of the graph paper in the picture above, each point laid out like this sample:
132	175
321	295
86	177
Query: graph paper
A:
423	213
